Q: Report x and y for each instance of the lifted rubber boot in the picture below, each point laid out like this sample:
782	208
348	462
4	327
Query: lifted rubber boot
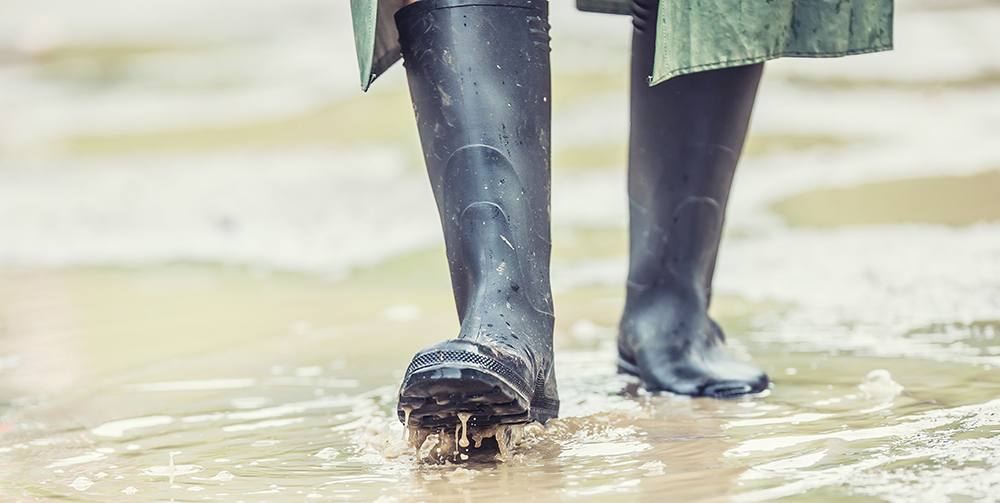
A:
478	72
685	139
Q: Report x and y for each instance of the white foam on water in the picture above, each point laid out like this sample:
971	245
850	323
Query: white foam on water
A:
784	466
653	468
609	449
284	210
169	471
794	419
272	423
325	402
927	436
250	402
327	453
204	417
76	460
81	483
222	476
117	429
625	486
204	384
878	385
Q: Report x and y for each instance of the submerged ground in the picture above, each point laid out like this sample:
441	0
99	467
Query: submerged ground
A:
217	256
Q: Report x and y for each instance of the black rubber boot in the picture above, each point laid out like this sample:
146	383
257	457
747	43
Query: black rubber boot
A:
478	72
686	136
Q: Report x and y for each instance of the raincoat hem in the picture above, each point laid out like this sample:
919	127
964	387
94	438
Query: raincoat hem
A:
760	59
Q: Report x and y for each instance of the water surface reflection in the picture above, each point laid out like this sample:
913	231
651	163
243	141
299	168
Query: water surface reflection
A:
308	416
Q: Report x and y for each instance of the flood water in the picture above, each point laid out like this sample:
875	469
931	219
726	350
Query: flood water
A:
111	373
217	257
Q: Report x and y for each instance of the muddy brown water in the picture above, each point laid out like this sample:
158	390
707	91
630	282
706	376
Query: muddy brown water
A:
859	270
198	382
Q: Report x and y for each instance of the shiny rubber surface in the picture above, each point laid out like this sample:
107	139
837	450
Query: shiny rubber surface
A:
685	139
479	80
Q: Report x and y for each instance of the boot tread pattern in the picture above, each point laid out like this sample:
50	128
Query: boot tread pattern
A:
487	389
475	360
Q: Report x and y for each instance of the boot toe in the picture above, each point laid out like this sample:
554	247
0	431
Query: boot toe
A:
710	373
456	376
735	388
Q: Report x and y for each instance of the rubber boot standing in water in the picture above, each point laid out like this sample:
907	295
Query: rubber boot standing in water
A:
685	138
478	72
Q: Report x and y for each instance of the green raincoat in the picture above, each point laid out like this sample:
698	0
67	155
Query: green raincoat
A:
692	35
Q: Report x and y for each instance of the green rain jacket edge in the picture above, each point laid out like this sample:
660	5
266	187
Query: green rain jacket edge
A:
691	35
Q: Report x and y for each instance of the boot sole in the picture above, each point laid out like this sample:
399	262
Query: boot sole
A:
441	384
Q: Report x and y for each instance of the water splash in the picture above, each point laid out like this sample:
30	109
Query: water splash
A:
878	385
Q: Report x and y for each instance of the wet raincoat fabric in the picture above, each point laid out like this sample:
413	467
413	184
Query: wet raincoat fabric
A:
691	35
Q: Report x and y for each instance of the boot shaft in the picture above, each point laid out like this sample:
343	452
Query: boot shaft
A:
478	73
685	139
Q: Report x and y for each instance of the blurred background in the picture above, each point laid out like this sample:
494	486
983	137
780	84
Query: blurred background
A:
198	191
